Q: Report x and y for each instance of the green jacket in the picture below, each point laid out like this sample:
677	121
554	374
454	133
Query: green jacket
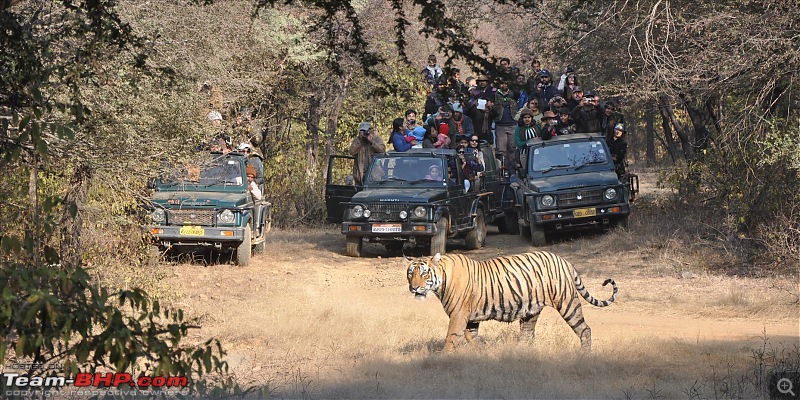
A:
518	137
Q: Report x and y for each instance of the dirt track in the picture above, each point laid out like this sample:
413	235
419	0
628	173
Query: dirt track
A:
306	321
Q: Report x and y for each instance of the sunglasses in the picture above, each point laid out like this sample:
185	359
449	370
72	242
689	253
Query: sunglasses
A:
473	140
460	152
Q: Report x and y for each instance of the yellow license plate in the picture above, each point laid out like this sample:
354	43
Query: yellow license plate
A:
192	231
584	212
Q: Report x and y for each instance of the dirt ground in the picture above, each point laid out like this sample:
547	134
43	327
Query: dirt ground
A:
305	321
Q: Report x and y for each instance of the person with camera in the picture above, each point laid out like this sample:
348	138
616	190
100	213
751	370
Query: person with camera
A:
574	101
568	83
549	122
365	145
587	117
545	90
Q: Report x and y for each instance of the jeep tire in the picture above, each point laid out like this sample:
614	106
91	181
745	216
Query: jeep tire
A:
439	239
512	224
245	250
538	237
477	235
353	245
261	247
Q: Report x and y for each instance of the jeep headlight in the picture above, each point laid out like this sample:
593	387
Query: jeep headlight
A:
548	200
420	212
610	194
158	215
226	217
403	214
357	212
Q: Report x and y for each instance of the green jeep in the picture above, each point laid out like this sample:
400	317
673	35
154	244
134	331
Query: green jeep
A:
569	183
207	204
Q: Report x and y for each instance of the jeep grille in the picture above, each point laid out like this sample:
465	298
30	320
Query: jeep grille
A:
386	212
582	198
191	217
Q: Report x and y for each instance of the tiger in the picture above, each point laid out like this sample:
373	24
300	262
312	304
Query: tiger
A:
504	289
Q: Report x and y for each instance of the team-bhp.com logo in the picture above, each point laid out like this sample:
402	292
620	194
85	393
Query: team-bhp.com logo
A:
23	385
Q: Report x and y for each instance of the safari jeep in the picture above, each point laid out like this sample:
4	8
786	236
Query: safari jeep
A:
568	183
419	196
207	204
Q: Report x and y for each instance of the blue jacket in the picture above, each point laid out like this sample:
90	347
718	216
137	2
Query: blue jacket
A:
399	142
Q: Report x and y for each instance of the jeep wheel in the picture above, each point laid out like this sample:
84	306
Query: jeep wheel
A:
512	224
538	237
439	240
245	249
501	224
261	247
477	235
525	231
353	247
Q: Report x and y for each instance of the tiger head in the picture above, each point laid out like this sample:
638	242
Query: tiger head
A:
423	276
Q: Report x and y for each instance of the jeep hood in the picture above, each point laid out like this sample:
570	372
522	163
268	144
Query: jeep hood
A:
410	195
181	199
573	181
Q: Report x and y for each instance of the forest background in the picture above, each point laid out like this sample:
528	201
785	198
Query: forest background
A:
96	96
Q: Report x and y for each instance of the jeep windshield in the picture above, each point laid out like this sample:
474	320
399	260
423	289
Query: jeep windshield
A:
563	156
406	171
213	171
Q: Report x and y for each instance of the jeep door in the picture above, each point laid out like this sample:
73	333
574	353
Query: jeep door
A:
492	177
339	186
460	200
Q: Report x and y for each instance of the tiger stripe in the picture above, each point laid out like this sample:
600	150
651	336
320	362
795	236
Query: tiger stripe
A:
505	289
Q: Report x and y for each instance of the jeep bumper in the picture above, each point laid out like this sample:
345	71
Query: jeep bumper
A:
194	236
581	217
389	230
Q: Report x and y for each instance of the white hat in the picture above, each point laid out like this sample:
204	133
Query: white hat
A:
244	146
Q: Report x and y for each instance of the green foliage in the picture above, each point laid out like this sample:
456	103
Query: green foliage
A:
53	314
285	37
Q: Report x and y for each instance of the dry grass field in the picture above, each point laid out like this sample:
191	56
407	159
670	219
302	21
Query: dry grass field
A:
305	321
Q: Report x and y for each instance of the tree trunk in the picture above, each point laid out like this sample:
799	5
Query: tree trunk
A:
72	217
650	134
701	133
312	142
332	121
711	105
665	124
686	144
32	232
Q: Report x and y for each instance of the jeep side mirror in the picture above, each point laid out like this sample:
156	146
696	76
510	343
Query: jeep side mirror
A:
151	183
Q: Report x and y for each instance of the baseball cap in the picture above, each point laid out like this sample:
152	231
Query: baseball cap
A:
244	146
365	126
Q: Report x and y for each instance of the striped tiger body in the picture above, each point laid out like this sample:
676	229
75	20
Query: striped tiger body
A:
506	289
